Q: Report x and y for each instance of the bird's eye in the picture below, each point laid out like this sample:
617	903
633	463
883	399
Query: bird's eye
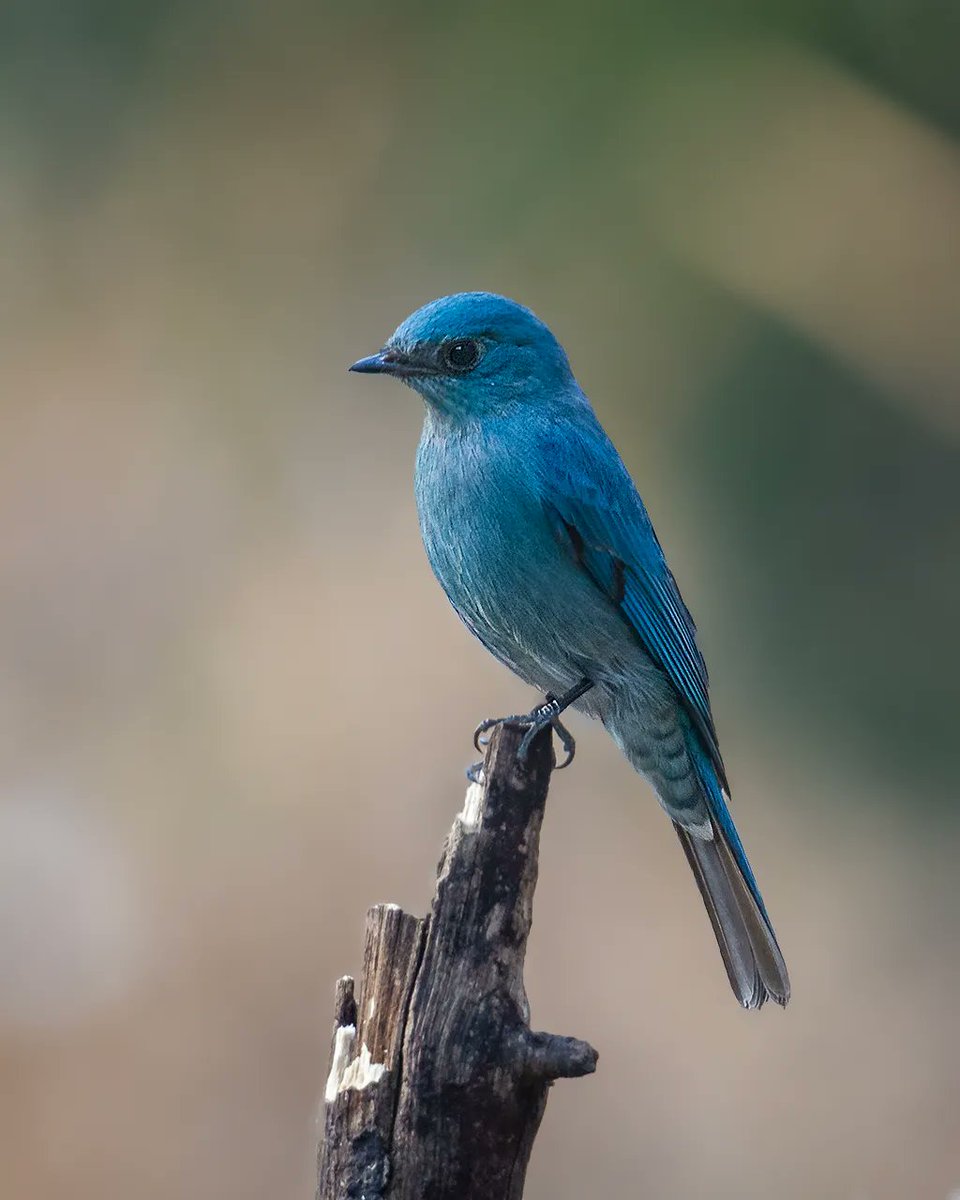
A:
461	355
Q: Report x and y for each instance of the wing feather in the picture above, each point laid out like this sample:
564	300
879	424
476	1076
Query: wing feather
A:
596	509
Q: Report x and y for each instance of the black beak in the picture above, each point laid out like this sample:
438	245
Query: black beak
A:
392	362
377	364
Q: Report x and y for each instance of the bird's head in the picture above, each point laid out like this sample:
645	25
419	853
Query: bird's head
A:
473	353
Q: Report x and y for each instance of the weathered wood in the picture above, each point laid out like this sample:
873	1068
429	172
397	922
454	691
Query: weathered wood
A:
360	1097
437	1084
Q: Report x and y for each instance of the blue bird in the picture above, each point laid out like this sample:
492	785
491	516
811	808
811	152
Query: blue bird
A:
540	540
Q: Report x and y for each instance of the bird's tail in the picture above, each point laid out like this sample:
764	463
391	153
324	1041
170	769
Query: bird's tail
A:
747	942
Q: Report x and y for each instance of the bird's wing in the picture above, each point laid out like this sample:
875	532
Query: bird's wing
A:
600	519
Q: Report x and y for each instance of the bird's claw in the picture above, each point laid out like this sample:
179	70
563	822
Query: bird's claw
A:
480	742
542	716
567	741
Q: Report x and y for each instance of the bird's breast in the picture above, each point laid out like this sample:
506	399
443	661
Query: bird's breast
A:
497	556
479	514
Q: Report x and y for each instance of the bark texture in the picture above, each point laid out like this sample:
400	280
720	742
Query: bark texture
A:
437	1084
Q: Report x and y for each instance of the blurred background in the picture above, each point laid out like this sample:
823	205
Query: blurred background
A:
234	706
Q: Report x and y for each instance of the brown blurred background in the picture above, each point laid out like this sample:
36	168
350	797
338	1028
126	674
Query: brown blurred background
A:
234	707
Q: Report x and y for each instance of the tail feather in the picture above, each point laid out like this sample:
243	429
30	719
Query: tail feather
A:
747	942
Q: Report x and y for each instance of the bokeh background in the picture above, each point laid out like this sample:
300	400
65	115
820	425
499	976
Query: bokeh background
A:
234	707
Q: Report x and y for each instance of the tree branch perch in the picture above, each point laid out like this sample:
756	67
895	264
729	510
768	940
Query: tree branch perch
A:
437	1084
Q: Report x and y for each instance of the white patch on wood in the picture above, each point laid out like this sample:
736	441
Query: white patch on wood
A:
342	1046
470	814
361	1072
344	1074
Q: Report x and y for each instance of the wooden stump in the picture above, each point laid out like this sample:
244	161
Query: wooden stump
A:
437	1084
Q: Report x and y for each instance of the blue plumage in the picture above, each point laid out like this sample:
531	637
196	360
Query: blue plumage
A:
536	533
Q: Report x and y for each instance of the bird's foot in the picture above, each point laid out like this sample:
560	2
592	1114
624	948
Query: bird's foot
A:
546	714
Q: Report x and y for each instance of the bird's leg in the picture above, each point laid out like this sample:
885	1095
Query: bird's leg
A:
567	740
543	715
549	713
